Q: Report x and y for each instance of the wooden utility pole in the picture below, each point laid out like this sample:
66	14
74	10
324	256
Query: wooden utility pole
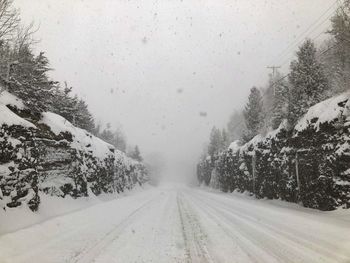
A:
297	173
274	71
254	171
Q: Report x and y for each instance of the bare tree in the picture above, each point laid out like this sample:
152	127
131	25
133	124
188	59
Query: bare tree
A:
16	49
9	19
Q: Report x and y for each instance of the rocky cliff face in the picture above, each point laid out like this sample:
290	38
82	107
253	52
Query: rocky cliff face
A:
309	164
47	155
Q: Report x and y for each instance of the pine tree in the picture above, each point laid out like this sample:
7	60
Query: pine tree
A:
116	138
307	80
120	140
253	114
279	107
73	109
135	154
215	142
274	102
83	117
235	126
337	53
29	81
225	140
107	134
64	104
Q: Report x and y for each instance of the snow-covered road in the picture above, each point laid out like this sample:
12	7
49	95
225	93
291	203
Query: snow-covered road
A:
180	224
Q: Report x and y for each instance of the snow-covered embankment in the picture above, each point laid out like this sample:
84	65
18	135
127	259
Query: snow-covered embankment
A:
44	158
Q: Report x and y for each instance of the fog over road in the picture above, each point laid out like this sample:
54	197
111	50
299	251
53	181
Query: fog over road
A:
174	223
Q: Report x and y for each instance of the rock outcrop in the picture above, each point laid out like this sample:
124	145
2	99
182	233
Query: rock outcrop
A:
309	164
46	154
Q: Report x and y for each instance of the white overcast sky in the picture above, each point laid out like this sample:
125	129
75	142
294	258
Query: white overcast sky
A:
129	59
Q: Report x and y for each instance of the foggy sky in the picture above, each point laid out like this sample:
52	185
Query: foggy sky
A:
154	66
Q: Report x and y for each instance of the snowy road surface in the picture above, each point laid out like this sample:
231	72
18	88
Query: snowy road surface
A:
180	224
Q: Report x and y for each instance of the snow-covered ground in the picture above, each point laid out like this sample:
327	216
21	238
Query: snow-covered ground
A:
12	220
174	223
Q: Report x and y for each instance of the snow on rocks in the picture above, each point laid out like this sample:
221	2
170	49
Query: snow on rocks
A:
48	155
318	147
235	146
7	117
81	138
7	98
325	111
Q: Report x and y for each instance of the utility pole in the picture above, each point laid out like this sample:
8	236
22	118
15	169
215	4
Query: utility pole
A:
297	173
274	71
254	171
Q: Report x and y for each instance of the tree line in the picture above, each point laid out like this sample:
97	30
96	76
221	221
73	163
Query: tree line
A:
317	73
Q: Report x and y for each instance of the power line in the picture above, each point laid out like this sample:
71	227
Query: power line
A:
280	79
297	42
313	39
289	58
302	35
274	70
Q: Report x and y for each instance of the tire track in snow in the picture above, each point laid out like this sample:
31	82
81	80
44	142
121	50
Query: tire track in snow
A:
89	254
194	237
261	237
251	250
255	250
285	240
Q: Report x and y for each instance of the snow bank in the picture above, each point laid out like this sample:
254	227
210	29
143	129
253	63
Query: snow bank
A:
325	111
52	206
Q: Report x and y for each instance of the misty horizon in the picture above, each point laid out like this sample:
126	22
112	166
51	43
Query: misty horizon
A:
167	72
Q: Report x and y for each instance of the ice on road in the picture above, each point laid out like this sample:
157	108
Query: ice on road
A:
180	224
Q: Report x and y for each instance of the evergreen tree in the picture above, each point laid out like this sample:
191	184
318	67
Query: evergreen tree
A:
253	114
279	107
268	98
215	142
274	102
71	108
29	81
235	126
120	140
64	104
135	154
307	80
107	134
337	53
83	117
116	138
225	140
